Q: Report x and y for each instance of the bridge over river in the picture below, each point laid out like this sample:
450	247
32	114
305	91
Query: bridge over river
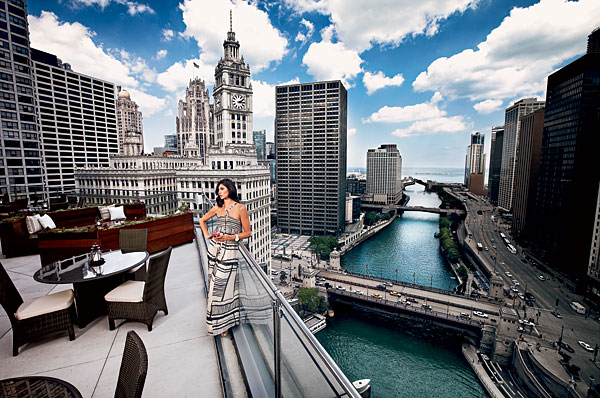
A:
436	210
446	307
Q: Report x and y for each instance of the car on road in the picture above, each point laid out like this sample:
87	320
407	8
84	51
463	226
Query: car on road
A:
377	296
480	314
541	277
521	296
556	314
274	272
494	246
492	240
585	346
508	274
567	347
514	289
388	284
359	292
393	293
492	257
321	279
515	282
328	285
412	300
319	283
380	287
464	315
340	287
529	303
486	248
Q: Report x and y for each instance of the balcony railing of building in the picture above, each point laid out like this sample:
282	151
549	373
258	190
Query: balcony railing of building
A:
279	355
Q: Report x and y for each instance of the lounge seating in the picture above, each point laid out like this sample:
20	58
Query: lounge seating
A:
132	240
38	317
134	368
140	301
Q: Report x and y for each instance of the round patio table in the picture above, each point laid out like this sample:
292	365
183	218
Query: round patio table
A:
91	284
37	387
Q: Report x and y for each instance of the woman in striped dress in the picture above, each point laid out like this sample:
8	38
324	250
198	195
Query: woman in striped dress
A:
233	224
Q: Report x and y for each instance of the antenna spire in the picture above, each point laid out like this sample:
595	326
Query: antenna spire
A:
230	21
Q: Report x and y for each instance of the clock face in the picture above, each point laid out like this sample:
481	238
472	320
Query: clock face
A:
239	101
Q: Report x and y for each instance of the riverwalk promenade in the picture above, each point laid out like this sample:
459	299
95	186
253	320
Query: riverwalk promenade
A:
470	354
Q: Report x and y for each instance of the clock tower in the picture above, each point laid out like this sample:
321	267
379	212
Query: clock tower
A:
232	96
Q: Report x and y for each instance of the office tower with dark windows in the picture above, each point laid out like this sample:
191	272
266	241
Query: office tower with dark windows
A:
495	163
475	164
567	193
310	137
527	171
260	143
384	174
21	172
171	143
78	121
512	127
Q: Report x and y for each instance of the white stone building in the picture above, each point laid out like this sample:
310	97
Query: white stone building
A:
195	121
384	174
129	125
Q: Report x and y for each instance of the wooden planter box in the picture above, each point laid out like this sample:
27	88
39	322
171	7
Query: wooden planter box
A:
162	233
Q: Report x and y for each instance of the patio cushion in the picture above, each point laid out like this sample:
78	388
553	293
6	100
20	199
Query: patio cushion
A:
117	213
104	212
33	224
45	304
46	222
128	292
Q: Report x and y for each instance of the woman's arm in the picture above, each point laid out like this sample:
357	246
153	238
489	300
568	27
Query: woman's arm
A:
211	213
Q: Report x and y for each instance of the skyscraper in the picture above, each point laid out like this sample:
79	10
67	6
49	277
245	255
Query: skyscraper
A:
233	96
129	125
567	193
384	174
194	121
475	164
21	173
171	143
495	163
78	132
260	139
310	137
512	127
527	170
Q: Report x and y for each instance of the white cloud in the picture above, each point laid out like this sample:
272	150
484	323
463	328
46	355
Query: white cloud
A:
332	61
178	75
133	7
167	34
264	97
379	80
260	42
73	43
149	104
351	132
360	24
327	32
433	126
399	114
488	106
310	28
160	54
517	56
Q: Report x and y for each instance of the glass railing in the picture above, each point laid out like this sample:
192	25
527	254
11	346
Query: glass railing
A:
279	355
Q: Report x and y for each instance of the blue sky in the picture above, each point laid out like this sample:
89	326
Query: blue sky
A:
422	75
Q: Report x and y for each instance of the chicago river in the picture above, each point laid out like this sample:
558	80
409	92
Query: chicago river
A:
401	357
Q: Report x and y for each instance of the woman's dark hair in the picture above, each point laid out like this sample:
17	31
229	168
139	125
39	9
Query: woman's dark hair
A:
230	185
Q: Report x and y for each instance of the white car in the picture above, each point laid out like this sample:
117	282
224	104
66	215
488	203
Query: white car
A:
340	287
541	277
480	314
585	346
358	292
515	282
508	274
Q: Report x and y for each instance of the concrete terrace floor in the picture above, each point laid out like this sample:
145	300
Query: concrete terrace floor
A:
182	359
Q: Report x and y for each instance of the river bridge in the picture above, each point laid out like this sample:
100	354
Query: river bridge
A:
435	210
446	306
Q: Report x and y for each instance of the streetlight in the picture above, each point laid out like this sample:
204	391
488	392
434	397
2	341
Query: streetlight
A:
396	271
414	278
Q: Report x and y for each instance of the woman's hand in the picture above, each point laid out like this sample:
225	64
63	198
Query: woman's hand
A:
223	238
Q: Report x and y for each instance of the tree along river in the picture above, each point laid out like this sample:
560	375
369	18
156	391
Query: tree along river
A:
402	359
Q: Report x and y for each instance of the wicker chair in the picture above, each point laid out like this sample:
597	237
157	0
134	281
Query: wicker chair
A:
134	368
38	317
132	240
140	301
